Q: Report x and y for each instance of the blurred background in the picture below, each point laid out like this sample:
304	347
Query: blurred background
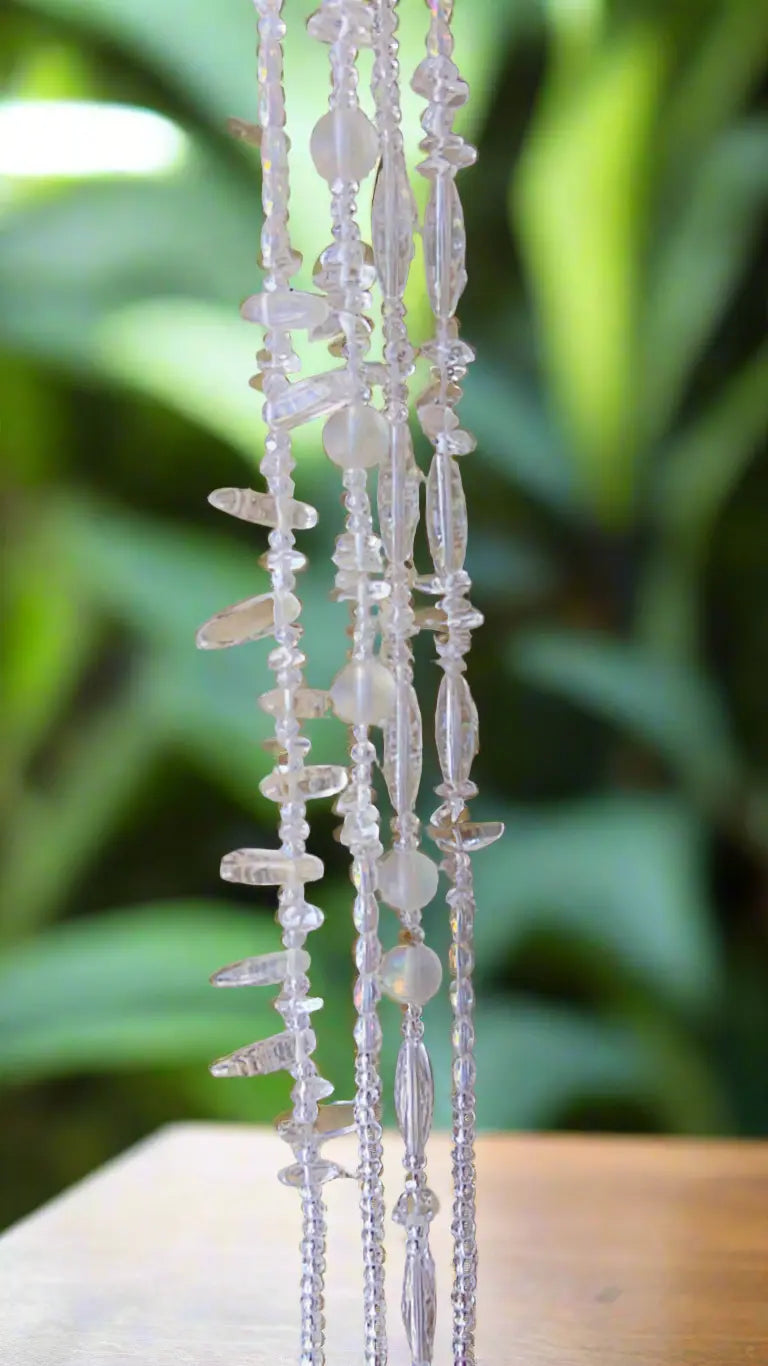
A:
619	546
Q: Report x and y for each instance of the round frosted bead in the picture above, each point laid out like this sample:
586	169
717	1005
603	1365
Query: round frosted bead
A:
344	145
357	437
407	879
411	974
363	693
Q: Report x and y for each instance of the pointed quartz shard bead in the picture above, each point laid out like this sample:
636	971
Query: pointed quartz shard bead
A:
398	500
262	509
456	730
315	780
466	836
307	704
402	752
317	1172
446	515
445	246
419	1303
268	969
307	399
269	867
393	222
352	18
244	131
333	1121
414	1094
276	1054
246	621
285	308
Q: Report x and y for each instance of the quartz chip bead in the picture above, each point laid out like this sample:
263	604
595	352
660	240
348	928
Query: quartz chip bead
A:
319	1171
411	974
333	1121
407	879
285	308
277	1054
357	437
269	867
268	969
312	781
352	18
446	515
344	145
246	621
306	704
363	692
307	399
466	836
262	509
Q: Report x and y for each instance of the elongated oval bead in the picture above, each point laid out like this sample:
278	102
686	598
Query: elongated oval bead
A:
357	437
261	509
445	246
344	145
407	879
275	1054
307	399
363	693
414	1094
419	1302
398	499
411	974
446	515
269	867
285	308
402	749
250	620
393	222
315	780
456	729
268	969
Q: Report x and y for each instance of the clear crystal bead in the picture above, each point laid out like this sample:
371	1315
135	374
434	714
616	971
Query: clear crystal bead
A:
306	704
357	437
467	836
269	867
333	1121
303	917
407	879
456	729
358	551
307	399
312	780
446	515
414	1094
262	509
285	308
393	222
414	1209
344	145
363	693
411	974
438	80
419	1303
318	1172
398	499
246	621
351	19
402	748
276	1054
268	969
445	246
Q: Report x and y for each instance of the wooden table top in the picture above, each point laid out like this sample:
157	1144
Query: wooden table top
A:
594	1252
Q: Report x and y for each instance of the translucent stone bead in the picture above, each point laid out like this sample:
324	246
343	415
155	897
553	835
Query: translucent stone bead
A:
398	500
393	223
285	308
419	1302
316	780
446	515
245	132
402	754
269	867
275	1054
318	1172
292	559
416	1208
437	78
363	693
456	729
262	509
407	879
466	836
363	552
332	267
307	399
333	1121
414	1094
445	246
344	145
303	916
411	974
430	619
250	620
357	437
307	704
268	969
352	18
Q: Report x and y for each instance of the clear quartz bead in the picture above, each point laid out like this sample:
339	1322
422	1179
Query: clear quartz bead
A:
333	1121
344	145
262	509
456	729
268	969
334	18
407	879
246	621
419	1303
357	437
306	704
269	867
276	1054
285	308
307	399
413	1209
445	246
466	836
446	515
411	974
312	780
414	1094
398	499
363	692
403	748
318	1171
393	222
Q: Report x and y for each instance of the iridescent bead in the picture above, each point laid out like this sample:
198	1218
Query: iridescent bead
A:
344	145
363	693
357	437
411	974
407	879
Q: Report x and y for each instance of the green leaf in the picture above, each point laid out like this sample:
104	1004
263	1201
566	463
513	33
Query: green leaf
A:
129	989
623	876
668	705
580	202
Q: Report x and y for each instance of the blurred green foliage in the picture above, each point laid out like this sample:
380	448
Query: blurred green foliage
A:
619	525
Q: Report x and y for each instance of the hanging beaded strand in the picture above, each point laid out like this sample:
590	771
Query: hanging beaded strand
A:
456	725
344	147
408	880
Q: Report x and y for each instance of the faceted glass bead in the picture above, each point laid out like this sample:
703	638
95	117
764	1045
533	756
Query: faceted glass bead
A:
393	223
419	1303
285	308
250	620
275	1054
416	1208
398	498
357	437
445	246
414	1094
411	974
269	867
307	704
261	508
466	836
446	515
403	749
344	145
318	1172
268	969
363	693
407	879
456	729
314	780
307	399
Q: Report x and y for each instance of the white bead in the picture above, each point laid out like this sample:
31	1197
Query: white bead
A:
411	974
407	879
357	438
363	693
344	145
